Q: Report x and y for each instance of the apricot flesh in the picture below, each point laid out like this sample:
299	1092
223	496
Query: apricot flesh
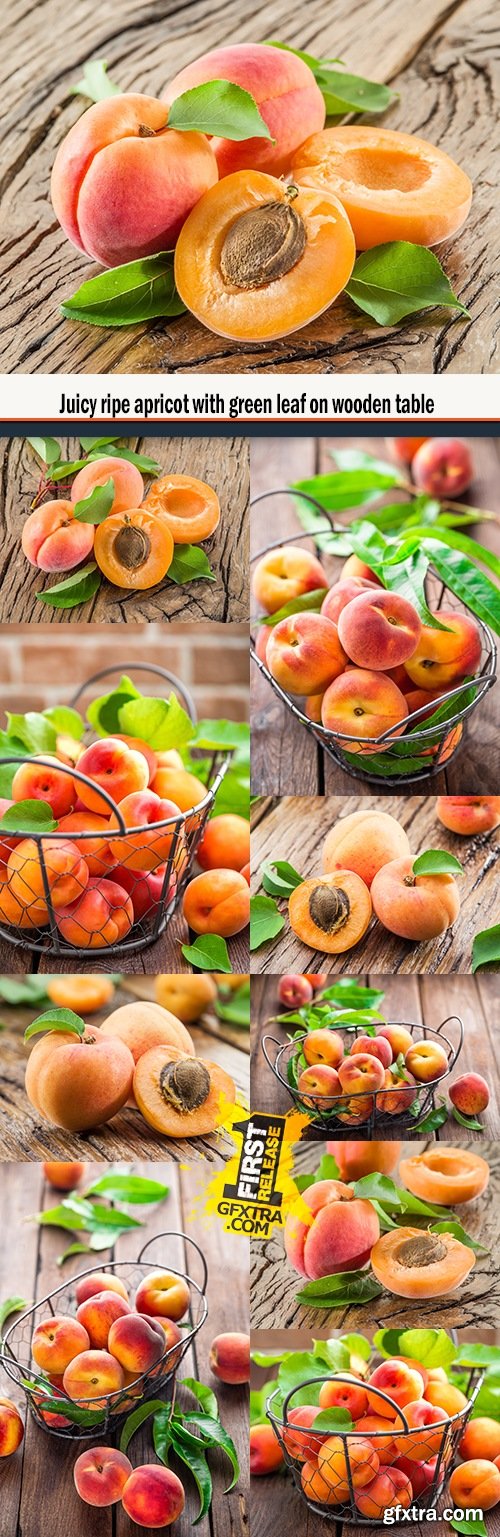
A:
412	1263
445	1176
133	549
167	1083
332	912
188	507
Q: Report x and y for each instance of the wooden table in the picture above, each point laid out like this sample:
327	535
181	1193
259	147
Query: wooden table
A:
221	462
38	1494
437	55
294	829
285	758
164	955
418	1000
25	1135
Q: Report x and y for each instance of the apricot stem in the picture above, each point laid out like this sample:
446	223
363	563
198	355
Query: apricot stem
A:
263	244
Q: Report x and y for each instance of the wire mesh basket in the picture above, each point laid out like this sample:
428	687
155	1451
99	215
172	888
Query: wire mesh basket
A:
396	759
390	1111
71	892
108	1415
329	1480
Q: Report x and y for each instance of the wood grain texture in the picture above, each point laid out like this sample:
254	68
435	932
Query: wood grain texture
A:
38	1484
440	58
164	955
221	462
285	758
413	1000
294	829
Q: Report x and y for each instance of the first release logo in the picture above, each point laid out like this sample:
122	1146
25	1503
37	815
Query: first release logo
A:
256	1190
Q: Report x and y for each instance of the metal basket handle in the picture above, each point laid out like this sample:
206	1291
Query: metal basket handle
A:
73	774
186	1239
277	1044
150	667
455	1051
311	534
337	1377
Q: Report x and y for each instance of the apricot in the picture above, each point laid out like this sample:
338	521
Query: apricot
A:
92	1375
379	630
97	1315
423	1442
444	1395
399	1038
230	1358
99	1281
134	549
136	1342
266	1455
426	1060
11	1428
85	995
161	1294
127	480
468	814
53	540
319	1082
97	852
148	844
302	1443
415	907
186	997
64	870
15	913
336	1461
470	1094
445	1176
261	640
330	913
142	1025
353	566
362	704
64	1176
315	1486
152	892
399	1094
282	575
217	902
225	843
476	1484
443	467
373	1046
119	769
313	707
481	1438
45	780
343	593
103	915
340	1235
304	654
383	1430
388	1489
56	1341
363	841
393	186
100	1475
421	1474
137	745
411	1263
402	1382
403	450
181	1096
286	93
178	785
323	1046
254	234
444	657
187	507
339	1394
354	1159
293	991
153	1496
361	1073
79	1083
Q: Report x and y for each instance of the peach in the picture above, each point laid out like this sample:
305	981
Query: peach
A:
319	1082
65	871
343	593
379	629
468	814
285	574
323	1046
137	1343
388	1489
100	1475
217	902
402	1383
354	1159
173	1337
176	784
415	907
476	1484
302	1443
363	841
398	1096
103	915
336	1460
363	703
361	1073
443	657
225	843
339	1235
422	1442
163	1294
266	1455
79	1083
148	893
128	484
230	1358
145	850
64	1176
444	1175
443	467
399	1038
11	1428
186	997
96	851
403	450
339	1394
97	1315
315	1486
313	707
45	780
470	1094
304	653
357	1110
293	991
93	1374
53	540
372	1046
481	1438
142	1025
426	1060
353	566
261	640
56	1342
286	93
119	769
97	1282
153	1496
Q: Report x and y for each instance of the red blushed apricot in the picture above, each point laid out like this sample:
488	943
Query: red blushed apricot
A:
357	1158
445	1176
415	907
225	843
427	1060
339	1235
363	704
402	1382
261	640
475	1485
127	481
142	1025
91	1376
36	781
134	549
90	1285
443	467
332	912
123	182
322	1046
379	630
444	657
361	1074
403	450
57	1341
79	1084
119	769
148	844
97	1315
16	915
11	1428
302	1443
342	594
422	1440
468	814
363	842
53	540
393	186
383	1430
162	1295
388	1489
100	1475
257	260
97	852
286	93
304	653
266	1455
65	870
344	1395
319	1083
282	575
103	915
153	1496
188	507
313	707
374	1046
138	1343
398	1095
217	902
412	1263
230	1358
470	1094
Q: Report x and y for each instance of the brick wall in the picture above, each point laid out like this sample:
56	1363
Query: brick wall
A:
41	667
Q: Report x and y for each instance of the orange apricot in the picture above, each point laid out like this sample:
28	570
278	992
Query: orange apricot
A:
181	1096
11	1428
97	852
475	1485
184	996
177	784
225	843
148	843
415	907
79	1083
444	1395
217	902
64	1176
445	1176
266	1455
363	842
363	703
64	868
411	1263
134	549
186	506
45	780
481	1438
86	995
142	1025
357	1158
316	1487
280	576
334	1460
330	913
128	484
391	1487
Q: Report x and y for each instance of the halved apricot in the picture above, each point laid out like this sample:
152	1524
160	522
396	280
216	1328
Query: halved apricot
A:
331	912
393	186
412	1263
179	1095
447	1176
190	508
256	259
133	549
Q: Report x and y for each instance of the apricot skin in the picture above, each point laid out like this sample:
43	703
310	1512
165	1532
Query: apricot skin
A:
475	1485
127	481
225	843
79	1085
357	1158
186	997
230	1358
304	653
481	1438
64	1176
362	703
142	1025
153	1496
468	814
470	1094
379	630
443	657
340	1236
266	1455
284	574
417	911
100	1475
217	902
11	1428
364	841
53	540
285	91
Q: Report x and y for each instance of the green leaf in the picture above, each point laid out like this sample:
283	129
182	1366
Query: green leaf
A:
221	735
486	947
478	1355
432	1347
74	1248
90	445
28	817
342	92
339	490
46	449
34	731
130	1188
220	109
214	1434
397	279
190	564
458	1232
348	993
468	584
208	953
206	1398
408	579
11	1305
470	547
309	602
105	1217
432	1121
236	1011
74	589
66	721
381	1188
258	1401
472	1525
466	1120
191	1453
88	1417
346	1289
95	508
142	462
161	723
23	990
66	469
135	1420
265	921
56	1019
437	862
281	883
123	296
95	83
357	1345
104	714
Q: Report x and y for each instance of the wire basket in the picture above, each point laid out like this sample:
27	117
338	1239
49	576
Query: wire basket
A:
437	744
15	1355
119	895
301	1445
380	1118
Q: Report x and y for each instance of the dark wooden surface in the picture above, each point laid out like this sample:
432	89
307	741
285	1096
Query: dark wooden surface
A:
221	462
38	1494
25	1135
438	55
294	829
285	758
417	1000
